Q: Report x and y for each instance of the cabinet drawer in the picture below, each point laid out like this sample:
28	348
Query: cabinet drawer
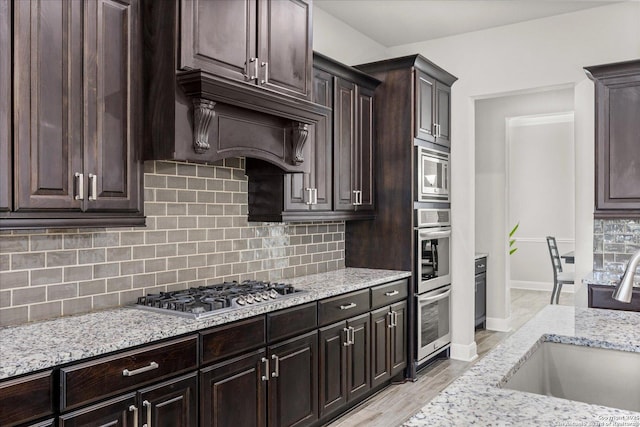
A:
224	341
87	382
292	321
388	293
26	399
481	265
342	307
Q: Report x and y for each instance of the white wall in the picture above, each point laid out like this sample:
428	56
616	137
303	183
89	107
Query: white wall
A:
341	42
535	54
491	223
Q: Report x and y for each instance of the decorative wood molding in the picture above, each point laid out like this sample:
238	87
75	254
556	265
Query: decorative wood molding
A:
300	132
202	114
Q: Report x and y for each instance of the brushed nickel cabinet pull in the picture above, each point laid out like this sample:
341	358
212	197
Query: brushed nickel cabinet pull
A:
147	406
265	377
348	341
93	190
309	196
266	73
276	369
79	185
134	409
348	306
390	316
151	367
392	293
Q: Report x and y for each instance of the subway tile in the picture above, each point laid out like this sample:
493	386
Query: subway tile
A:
196	184
187	248
129	297
166	223
47	310
149	167
5	262
105	301
187	169
132	238
195	209
177	236
155	237
62	292
144	280
132	267
17	279
166	250
215	210
14	315
221	197
32	295
205	171
215	234
239	268
177	209
231	257
196	235
101	271
223	173
207	197
155	209
187	222
22	261
187	196
84	272
149	195
91	287
167	277
177	182
207	272
9	244
119	254
154	265
223	270
166	168
206	247
106	239
232	186
5	299
78	241
215	185
76	306
197	261
176	263
46	276
206	222
224	246
91	256
46	242
155	181
166	196
117	284
142	252
232	233
187	274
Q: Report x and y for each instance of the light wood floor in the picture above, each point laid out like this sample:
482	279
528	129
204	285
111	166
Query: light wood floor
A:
396	403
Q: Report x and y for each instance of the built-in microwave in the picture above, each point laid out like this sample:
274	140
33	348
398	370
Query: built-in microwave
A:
432	180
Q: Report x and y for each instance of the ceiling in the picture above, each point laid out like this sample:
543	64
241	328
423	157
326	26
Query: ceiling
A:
398	22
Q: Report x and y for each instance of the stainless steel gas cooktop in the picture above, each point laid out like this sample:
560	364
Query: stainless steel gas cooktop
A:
205	301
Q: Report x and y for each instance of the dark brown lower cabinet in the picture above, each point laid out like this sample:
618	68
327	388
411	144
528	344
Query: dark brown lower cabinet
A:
601	296
46	423
277	387
234	393
36	389
388	342
172	403
345	362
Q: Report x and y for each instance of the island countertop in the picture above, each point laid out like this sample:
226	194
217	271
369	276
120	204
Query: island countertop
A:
477	397
41	345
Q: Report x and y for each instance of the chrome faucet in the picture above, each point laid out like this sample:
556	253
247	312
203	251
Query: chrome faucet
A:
624	289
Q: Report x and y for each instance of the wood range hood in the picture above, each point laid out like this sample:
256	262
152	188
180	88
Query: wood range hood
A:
195	113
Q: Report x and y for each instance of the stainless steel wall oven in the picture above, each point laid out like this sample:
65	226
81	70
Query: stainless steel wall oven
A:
433	282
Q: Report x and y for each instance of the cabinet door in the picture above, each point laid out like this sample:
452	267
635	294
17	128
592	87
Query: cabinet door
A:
293	386
344	143
481	298
333	368
443	114
120	411
399	338
233	393
364	155
424	111
47	114
220	37
285	51
170	404
5	105
618	146
113	84
380	346
359	357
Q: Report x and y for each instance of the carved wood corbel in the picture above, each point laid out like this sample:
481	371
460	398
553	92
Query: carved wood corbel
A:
300	132
202	114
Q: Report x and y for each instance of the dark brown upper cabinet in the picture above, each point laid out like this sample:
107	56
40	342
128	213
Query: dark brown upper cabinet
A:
617	131
76	115
262	42
229	79
433	109
340	183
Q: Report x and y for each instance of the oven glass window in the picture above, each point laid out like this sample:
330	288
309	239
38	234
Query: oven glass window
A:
434	258
433	175
434	321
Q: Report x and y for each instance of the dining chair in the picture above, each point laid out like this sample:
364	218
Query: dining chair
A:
559	277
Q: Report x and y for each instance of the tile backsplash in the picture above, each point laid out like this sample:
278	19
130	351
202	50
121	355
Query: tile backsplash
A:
614	241
197	233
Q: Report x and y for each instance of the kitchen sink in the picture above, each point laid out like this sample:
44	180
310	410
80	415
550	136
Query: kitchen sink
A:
586	374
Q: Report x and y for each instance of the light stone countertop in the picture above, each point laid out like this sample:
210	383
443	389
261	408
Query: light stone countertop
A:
606	278
41	345
476	397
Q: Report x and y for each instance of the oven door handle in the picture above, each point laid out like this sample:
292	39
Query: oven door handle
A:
428	234
438	297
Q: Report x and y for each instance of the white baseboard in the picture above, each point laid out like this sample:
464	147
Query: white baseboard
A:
539	286
499	324
465	353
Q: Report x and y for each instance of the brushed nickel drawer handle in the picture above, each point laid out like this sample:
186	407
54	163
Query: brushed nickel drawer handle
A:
265	377
147	406
151	367
392	293
348	306
134	409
